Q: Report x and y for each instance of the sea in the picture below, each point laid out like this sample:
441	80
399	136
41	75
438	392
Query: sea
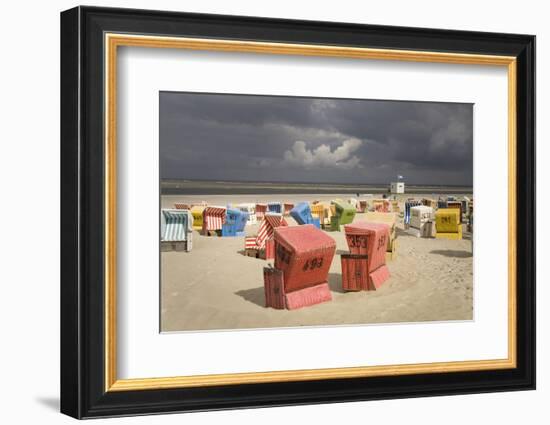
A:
207	187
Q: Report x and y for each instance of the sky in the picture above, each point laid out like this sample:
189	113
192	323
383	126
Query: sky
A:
298	139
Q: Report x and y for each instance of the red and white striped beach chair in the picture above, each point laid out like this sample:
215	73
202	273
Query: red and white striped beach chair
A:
250	242
287	207
381	205
262	244
267	228
182	206
213	219
261	209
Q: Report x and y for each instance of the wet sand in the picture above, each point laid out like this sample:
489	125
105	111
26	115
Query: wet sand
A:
216	287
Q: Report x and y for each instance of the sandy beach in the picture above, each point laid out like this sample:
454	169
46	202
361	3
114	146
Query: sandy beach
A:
216	287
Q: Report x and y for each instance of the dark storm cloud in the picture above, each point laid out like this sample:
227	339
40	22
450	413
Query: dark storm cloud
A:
240	137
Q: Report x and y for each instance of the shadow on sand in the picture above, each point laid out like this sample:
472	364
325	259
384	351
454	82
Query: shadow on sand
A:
257	295
254	295
335	282
401	232
452	253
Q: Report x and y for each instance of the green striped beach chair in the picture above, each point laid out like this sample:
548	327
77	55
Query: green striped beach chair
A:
176	230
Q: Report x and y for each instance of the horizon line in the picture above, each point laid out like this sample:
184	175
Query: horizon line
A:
309	182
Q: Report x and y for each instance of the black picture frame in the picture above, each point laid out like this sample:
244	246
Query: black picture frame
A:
83	392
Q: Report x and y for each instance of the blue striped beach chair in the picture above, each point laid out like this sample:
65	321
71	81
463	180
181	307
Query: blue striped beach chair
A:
176	230
408	205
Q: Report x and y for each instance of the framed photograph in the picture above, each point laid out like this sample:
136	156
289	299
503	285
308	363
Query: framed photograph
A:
262	212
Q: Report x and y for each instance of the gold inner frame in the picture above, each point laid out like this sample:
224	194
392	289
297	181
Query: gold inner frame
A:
113	41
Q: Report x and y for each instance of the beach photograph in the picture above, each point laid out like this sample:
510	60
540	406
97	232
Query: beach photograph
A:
282	212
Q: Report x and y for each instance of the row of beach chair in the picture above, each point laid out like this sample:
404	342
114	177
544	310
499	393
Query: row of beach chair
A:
425	218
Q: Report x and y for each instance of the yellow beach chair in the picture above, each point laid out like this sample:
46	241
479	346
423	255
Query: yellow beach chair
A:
447	224
196	212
